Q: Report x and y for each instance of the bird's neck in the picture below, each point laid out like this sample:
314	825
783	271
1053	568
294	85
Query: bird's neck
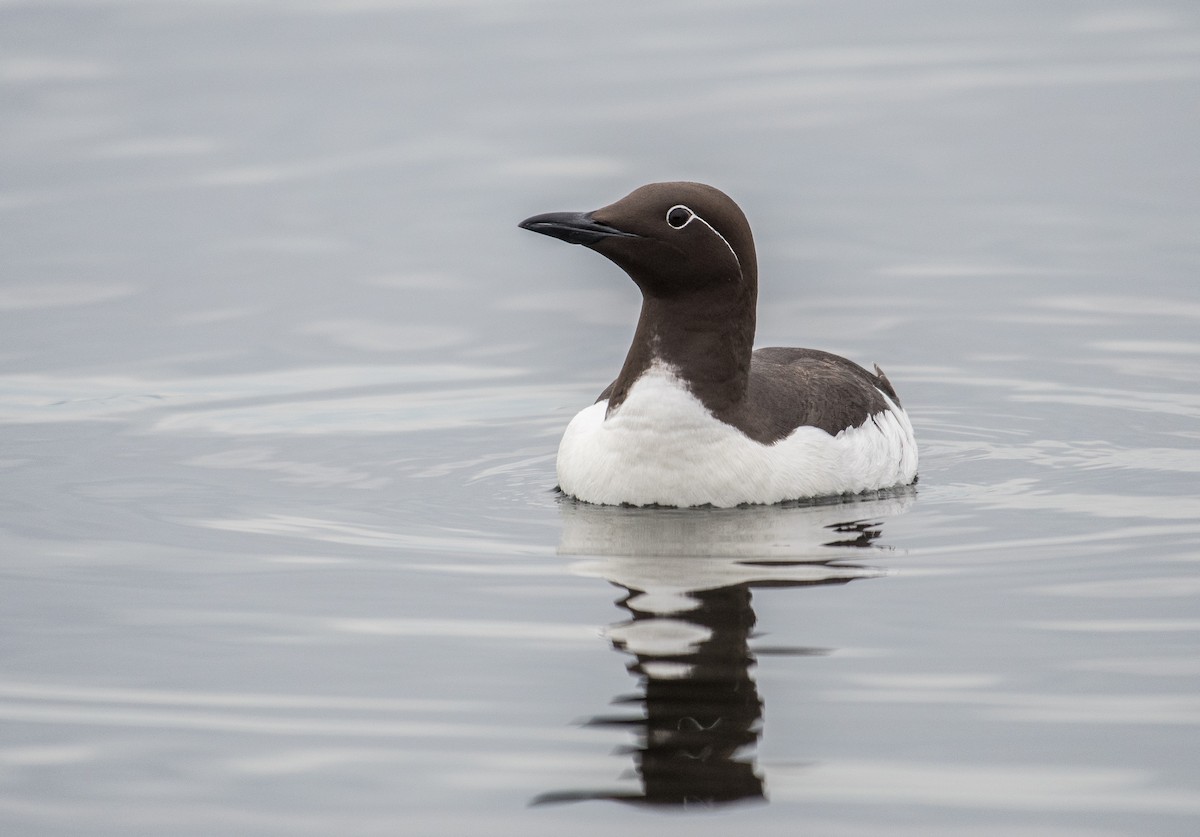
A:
707	340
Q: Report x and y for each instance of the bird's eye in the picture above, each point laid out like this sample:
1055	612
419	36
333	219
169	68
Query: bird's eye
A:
678	216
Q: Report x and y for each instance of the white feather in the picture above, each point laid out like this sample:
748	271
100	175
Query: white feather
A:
662	446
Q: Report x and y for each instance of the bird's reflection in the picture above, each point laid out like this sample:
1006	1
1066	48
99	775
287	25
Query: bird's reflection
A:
687	578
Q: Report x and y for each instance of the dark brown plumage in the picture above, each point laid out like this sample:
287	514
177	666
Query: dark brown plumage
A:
699	284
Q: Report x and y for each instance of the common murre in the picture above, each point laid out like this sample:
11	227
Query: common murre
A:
696	416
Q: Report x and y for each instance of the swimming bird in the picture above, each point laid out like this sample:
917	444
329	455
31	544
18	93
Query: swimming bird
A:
696	416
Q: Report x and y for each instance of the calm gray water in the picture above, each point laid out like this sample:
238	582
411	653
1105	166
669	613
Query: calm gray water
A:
281	384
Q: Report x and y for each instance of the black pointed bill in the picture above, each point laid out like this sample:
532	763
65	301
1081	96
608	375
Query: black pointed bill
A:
572	227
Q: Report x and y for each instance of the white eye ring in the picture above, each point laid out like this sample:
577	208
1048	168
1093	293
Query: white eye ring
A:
680	212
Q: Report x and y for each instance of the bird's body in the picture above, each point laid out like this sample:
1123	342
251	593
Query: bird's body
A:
696	417
664	447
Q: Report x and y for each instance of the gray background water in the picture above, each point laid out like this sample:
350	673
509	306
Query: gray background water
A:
281	385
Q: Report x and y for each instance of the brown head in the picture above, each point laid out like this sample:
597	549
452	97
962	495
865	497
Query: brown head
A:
689	249
671	238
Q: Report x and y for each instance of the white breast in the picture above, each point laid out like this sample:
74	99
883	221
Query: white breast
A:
663	446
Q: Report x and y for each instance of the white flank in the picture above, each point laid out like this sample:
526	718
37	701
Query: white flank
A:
662	446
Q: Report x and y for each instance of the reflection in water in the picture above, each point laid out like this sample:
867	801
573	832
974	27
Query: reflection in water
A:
689	624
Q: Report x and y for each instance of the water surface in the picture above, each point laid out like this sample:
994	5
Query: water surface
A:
281	385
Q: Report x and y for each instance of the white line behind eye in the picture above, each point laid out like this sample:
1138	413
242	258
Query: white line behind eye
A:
692	216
